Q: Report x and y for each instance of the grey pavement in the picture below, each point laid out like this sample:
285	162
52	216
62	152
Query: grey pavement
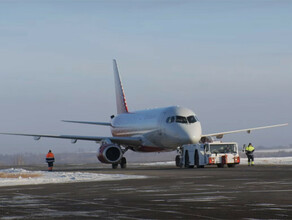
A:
260	192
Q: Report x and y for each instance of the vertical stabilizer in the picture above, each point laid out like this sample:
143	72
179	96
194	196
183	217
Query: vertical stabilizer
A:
120	95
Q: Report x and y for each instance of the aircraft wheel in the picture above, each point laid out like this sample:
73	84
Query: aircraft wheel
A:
123	163
115	165
187	162
197	160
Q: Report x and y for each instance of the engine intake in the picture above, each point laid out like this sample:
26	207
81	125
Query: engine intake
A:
109	153
206	140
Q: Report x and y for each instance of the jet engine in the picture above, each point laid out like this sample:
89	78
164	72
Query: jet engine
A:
206	140
109	153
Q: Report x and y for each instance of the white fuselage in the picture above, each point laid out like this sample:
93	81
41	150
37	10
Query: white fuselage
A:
162	129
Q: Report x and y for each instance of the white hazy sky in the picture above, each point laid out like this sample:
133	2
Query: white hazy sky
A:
229	61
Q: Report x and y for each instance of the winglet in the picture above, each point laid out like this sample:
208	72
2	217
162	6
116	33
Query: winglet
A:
120	95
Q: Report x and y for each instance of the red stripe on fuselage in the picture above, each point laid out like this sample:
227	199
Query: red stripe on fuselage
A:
149	149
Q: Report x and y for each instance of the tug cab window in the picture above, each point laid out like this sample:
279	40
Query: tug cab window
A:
222	148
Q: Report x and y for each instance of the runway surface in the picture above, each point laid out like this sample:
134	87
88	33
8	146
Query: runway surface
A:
260	192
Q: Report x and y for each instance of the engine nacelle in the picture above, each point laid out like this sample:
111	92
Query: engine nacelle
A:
109	153
206	140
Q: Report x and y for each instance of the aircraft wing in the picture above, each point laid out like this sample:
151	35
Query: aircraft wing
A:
135	141
89	122
248	130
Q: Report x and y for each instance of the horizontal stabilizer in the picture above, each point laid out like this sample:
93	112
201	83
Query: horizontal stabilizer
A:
89	122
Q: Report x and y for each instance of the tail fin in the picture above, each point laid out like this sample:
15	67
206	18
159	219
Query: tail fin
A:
120	95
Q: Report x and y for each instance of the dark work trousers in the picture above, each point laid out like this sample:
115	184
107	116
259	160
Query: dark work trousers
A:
250	157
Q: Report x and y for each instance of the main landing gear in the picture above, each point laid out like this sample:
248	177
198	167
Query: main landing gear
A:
123	164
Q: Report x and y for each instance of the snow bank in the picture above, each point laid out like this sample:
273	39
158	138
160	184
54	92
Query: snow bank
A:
167	163
269	160
14	176
58	177
243	160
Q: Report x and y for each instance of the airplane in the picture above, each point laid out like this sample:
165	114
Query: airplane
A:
153	130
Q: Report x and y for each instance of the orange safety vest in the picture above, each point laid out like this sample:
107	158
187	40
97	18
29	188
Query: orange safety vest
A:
50	158
50	155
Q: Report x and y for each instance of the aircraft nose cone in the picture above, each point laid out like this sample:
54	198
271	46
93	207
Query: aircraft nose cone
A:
189	139
193	135
194	139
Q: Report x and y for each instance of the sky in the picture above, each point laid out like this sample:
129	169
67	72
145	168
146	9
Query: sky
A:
229	61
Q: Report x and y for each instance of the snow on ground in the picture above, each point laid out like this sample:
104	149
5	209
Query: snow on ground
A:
273	150
243	160
13	177
167	163
57	177
269	160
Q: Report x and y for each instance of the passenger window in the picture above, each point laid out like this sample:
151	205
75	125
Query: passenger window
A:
181	119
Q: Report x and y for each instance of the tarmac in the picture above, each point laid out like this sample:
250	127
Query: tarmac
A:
259	192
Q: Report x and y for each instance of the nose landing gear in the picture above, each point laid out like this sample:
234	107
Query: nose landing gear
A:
123	161
115	165
123	164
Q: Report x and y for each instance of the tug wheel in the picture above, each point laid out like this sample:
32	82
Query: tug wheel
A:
177	161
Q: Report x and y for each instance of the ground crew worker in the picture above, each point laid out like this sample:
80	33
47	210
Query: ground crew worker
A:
50	159
249	153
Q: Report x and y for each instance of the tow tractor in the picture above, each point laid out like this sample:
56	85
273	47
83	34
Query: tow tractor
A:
215	153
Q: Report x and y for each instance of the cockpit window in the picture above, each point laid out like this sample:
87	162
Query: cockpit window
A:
170	119
192	119
181	119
